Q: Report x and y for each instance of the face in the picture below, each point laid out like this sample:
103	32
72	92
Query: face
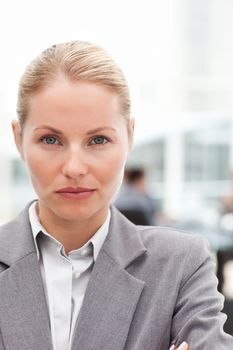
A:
75	144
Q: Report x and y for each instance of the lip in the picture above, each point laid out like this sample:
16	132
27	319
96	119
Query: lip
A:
75	192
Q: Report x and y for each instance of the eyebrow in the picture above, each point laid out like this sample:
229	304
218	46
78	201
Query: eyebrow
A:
93	131
100	129
48	128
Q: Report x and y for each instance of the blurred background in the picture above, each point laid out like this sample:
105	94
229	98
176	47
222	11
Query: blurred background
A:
177	56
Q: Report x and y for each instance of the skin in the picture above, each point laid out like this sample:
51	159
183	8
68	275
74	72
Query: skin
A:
74	136
183	346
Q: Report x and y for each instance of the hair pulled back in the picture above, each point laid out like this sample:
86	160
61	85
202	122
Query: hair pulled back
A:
77	61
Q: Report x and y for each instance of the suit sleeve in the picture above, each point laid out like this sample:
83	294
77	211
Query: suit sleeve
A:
197	316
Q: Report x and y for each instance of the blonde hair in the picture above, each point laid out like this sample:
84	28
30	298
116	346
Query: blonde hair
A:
78	61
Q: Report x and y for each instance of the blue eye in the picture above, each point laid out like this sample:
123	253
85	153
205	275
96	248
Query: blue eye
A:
50	140
99	140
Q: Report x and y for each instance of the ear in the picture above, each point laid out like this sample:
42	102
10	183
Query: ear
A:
17	132
131	132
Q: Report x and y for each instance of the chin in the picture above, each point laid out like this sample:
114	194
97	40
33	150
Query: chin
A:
76	213
73	214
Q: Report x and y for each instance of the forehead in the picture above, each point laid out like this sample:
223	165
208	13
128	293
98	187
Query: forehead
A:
64	99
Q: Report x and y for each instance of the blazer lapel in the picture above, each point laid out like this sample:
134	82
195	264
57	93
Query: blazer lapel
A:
112	294
23	311
109	303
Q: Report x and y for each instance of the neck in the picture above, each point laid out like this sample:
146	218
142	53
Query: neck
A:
71	234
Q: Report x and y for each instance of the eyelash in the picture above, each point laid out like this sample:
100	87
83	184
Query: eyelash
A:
106	140
57	142
44	138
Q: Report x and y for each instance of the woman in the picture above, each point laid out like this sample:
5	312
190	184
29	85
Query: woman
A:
75	274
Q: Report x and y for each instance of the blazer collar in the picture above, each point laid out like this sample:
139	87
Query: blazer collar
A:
110	300
16	240
123	243
112	294
24	315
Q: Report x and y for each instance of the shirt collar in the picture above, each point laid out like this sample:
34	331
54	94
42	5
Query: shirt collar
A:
97	239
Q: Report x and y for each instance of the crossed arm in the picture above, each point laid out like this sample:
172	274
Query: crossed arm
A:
197	317
183	346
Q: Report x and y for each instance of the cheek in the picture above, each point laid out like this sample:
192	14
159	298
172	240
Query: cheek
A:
40	173
112	171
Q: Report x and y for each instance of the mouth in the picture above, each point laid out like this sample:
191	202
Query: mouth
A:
75	192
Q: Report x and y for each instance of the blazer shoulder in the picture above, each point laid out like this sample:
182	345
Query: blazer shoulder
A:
17	222
170	242
16	240
167	235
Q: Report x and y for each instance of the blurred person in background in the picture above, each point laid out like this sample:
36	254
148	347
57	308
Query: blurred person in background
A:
74	272
134	200
226	214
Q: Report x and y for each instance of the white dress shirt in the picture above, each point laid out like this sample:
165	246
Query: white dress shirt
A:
65	277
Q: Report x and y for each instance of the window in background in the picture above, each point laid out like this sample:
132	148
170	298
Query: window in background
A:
207	153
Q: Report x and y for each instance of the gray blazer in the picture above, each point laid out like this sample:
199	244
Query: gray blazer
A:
149	287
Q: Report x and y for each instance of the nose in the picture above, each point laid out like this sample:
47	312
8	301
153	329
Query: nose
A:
75	163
